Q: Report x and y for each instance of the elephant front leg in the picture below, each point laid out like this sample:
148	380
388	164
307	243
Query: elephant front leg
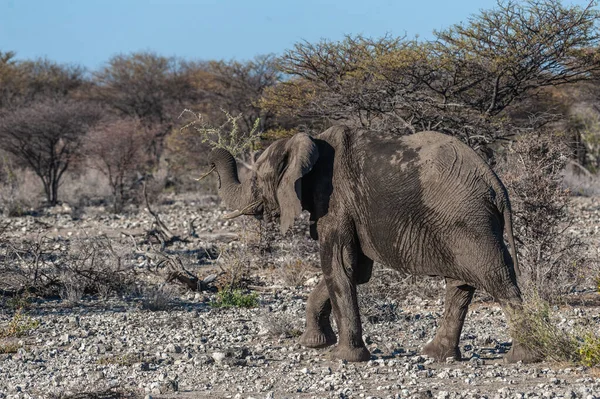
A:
318	333
445	342
339	267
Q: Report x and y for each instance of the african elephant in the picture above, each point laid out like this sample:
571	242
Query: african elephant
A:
424	204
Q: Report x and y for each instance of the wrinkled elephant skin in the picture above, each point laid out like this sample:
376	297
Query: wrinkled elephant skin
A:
422	204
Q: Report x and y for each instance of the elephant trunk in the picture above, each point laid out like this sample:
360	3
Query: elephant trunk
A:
236	195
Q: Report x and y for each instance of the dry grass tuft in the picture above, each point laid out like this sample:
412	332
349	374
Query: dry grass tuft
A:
540	331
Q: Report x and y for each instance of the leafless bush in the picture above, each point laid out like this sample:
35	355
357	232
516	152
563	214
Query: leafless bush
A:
381	298
581	182
47	138
48	266
281	325
118	149
19	190
88	187
235	263
294	270
156	297
550	258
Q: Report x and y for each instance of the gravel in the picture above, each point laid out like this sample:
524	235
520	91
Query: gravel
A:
192	349
197	350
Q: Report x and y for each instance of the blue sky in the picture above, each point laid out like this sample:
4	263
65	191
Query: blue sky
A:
89	32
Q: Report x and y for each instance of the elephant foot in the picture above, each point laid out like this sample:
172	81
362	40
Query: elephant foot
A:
441	352
351	354
314	338
520	353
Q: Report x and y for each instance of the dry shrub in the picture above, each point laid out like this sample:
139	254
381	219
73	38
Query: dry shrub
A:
538	330
20	190
551	259
119	150
294	271
381	298
85	188
543	332
281	325
50	267
235	264
156	297
581	182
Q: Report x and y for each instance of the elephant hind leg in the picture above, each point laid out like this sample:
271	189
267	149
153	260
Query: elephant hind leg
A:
512	306
445	342
502	285
318	333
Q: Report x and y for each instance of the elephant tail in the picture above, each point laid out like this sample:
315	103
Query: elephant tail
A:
503	206
507	213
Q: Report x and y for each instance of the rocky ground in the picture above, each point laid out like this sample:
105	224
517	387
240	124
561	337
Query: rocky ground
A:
187	347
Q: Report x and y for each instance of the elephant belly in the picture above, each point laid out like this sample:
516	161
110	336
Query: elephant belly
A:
408	248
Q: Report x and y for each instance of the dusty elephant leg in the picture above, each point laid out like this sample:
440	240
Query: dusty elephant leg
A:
505	290
445	342
339	263
318	333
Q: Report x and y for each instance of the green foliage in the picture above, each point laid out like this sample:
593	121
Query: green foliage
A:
228	136
19	325
228	298
589	350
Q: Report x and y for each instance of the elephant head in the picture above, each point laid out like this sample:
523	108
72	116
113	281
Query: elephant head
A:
274	187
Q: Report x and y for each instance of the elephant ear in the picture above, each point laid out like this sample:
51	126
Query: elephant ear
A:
301	153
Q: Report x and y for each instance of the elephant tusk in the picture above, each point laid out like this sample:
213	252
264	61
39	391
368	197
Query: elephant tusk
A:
241	212
206	174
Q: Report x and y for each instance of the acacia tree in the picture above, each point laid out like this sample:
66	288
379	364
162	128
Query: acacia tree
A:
118	149
23	82
235	87
228	93
11	80
47	136
145	86
462	83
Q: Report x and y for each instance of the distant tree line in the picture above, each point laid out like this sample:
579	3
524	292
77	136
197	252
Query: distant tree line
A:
521	67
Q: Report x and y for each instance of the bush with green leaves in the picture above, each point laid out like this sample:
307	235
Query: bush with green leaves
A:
229	136
228	298
20	325
589	350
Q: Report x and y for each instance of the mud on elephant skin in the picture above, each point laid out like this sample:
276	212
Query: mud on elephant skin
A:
422	204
